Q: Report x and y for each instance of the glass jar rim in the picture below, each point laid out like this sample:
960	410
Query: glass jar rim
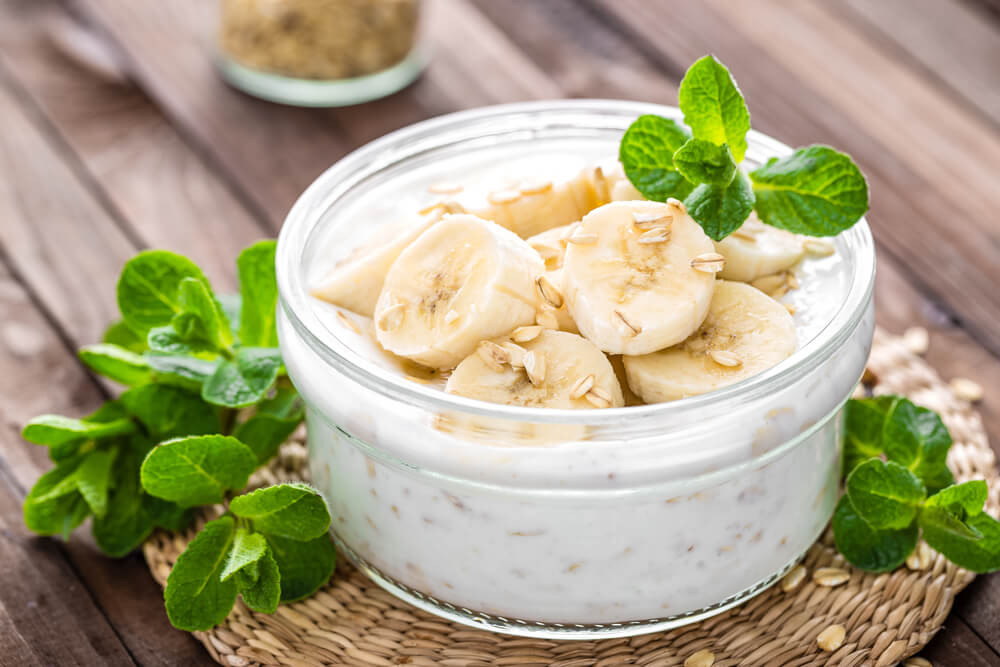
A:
307	215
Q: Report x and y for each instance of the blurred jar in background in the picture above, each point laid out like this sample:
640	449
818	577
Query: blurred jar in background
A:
320	52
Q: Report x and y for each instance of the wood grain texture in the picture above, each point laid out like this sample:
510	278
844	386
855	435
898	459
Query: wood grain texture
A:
958	42
907	207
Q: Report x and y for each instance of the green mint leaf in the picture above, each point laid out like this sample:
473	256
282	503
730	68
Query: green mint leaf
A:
263	592
126	524
116	363
721	210
148	288
196	597
245	381
231	305
973	544
867	548
917	438
198	470
181	370
167	340
713	105
864	422
93	479
814	191
294	510
259	295
170	412
304	566
165	514
121	335
54	505
647	155
248	548
276	419
701	161
885	494
53	430
210	321
965	499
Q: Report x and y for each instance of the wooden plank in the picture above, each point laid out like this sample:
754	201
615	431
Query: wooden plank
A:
958	645
159	189
273	152
910	212
956	42
41	591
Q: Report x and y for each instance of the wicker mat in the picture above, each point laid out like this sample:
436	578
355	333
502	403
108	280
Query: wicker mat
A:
888	617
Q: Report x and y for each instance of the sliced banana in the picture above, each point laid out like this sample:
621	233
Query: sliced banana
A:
551	245
554	369
756	250
552	314
463	280
623	190
746	332
631	398
635	289
530	208
355	282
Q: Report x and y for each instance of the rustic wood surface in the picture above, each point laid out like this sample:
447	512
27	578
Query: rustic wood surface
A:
154	151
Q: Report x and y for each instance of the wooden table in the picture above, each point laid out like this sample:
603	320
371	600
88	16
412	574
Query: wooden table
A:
92	170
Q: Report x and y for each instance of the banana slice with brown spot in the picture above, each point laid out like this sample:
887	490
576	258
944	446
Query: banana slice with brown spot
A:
746	332
464	280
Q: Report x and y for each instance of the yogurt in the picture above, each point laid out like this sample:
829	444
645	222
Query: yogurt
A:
558	522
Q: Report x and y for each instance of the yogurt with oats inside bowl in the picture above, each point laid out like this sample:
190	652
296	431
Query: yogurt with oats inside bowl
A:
531	472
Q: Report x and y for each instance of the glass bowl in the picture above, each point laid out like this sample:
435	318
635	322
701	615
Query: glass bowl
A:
560	523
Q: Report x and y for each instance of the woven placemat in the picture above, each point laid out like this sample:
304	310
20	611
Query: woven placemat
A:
887	617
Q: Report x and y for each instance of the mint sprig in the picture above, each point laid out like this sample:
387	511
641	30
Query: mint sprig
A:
206	381
814	191
894	452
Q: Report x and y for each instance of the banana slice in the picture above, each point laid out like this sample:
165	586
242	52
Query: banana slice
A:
551	245
631	398
554	369
635	287
462	281
563	321
531	208
355	282
756	250
746	332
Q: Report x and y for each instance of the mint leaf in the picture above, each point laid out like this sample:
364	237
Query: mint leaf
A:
170	412
116	363
231	305
181	370
885	494
196	597
814	191
245	381
54	505
165	514
294	510
965	499
721	210
126	524
917	438
121	335
276	419
93	479
53	430
259	295
148	287
211	324
263	592
713	105
867	548
248	548
864	422
167	340
701	161
304	566
647	155
973	544
197	470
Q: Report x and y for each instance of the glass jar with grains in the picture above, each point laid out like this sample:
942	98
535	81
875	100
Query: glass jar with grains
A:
319	52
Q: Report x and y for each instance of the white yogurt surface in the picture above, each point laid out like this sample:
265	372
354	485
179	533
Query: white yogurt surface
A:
637	517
